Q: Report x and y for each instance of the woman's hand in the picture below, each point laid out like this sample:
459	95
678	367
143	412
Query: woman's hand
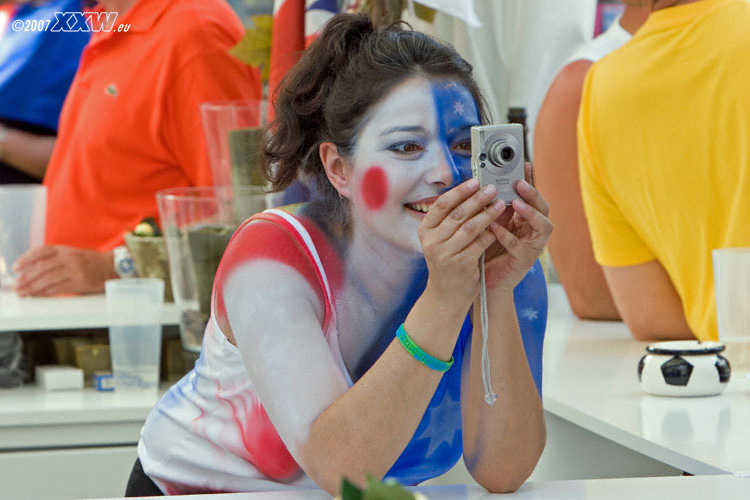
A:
454	234
521	235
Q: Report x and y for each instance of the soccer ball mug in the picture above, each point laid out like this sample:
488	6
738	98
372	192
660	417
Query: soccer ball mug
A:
684	368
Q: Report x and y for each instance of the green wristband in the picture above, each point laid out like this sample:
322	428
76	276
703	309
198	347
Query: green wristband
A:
421	356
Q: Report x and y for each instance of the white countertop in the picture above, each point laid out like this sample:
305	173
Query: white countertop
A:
31	405
61	313
31	417
590	379
682	488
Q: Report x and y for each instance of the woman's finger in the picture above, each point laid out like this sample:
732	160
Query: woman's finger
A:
480	244
506	217
447	202
509	241
532	197
528	173
472	228
539	223
462	217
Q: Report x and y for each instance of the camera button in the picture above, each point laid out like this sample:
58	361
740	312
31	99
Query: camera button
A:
482	157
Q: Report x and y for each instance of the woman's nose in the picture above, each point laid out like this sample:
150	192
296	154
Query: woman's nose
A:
445	172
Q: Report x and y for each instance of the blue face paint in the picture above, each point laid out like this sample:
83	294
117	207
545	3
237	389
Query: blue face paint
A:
456	114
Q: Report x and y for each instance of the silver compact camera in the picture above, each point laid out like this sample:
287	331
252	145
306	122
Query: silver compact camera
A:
497	157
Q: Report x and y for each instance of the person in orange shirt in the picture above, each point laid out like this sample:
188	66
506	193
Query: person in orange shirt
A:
130	127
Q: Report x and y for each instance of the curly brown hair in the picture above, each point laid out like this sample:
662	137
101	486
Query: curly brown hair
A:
326	96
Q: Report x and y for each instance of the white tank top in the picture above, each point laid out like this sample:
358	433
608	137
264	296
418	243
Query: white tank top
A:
193	439
614	37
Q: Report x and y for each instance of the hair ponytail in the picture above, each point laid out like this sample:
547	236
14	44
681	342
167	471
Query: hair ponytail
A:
300	99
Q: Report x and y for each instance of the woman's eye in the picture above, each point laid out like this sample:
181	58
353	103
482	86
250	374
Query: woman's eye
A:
463	147
407	147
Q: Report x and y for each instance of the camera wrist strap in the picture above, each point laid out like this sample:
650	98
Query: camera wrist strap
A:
489	396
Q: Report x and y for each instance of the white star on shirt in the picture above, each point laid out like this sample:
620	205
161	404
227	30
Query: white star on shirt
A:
529	314
436	431
458	108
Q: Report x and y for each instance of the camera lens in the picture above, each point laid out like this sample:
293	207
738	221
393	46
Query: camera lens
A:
507	154
501	153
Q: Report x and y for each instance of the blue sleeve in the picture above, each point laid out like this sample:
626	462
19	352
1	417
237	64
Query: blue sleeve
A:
25	55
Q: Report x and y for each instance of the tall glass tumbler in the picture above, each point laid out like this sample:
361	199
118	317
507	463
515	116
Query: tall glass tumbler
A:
732	289
134	308
198	223
23	213
234	131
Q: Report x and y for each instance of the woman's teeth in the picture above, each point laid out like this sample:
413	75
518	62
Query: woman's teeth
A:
419	207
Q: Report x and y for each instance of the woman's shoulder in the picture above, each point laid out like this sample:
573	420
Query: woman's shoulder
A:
278	232
315	227
273	256
296	236
283	226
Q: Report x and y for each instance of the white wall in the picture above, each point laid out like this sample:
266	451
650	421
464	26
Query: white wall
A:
520	47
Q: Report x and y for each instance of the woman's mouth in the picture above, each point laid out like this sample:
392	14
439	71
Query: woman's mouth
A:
417	210
418	207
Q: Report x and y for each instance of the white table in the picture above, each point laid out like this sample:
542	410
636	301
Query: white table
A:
590	380
682	488
68	444
61	313
590	386
32	418
70	434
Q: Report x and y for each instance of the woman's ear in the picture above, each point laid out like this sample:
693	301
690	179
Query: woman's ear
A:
336	168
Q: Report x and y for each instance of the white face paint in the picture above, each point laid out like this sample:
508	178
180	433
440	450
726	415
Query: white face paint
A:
414	146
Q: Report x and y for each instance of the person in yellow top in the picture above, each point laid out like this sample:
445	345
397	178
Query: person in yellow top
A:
664	157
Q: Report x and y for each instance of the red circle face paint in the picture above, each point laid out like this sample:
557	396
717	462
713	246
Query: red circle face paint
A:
375	188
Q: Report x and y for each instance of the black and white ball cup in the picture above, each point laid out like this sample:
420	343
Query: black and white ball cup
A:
684	368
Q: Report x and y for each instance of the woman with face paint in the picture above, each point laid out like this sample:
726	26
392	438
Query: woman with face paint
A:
344	338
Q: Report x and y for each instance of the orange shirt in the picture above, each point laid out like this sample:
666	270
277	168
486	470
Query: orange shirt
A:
131	125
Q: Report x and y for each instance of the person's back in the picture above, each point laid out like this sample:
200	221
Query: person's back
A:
664	131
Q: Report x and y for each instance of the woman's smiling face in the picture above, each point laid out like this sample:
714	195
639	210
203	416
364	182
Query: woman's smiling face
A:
414	145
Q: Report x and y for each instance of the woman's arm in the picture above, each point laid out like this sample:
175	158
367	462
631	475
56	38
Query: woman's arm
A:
330	430
502	442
